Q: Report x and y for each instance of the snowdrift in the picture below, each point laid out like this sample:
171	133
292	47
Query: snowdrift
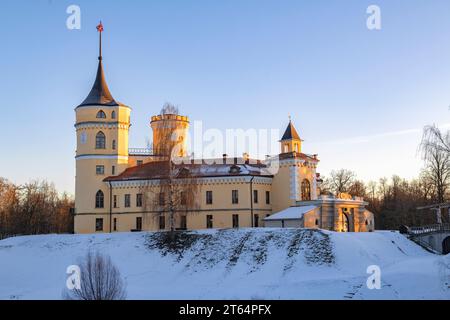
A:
232	264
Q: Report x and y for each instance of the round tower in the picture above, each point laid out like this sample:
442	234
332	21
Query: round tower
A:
170	133
102	126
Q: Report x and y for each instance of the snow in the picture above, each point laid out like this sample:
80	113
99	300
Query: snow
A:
292	213
233	264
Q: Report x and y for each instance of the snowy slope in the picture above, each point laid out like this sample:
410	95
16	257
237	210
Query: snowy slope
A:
232	264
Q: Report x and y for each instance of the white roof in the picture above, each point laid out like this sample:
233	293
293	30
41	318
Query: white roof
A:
292	213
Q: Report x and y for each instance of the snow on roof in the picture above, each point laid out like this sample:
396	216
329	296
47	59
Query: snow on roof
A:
292	213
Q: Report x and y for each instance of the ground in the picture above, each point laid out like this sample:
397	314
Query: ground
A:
232	264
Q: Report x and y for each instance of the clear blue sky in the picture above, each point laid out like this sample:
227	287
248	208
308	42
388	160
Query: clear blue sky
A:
358	98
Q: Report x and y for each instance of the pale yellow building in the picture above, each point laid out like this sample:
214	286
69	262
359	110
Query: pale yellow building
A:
119	188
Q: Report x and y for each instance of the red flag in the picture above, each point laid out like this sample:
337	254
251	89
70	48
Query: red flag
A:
100	27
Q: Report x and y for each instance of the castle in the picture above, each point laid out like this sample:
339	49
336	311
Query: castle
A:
122	189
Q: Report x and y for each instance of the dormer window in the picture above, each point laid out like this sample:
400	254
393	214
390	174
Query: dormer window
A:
101	115
235	169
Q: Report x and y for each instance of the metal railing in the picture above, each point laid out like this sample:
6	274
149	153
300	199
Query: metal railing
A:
140	151
434	228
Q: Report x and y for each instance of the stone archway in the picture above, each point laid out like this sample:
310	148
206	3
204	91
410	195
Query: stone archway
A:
345	222
446	246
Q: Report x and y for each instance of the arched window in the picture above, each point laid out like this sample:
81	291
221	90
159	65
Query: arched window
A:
306	190
114	144
296	147
99	199
100	141
113	115
101	115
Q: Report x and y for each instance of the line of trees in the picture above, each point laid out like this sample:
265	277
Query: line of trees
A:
33	208
394	201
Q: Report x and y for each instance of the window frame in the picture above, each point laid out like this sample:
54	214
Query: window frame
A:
127	200
101	114
99	200
209	221
209	197
100	140
139	200
99	225
100	170
235	221
235	196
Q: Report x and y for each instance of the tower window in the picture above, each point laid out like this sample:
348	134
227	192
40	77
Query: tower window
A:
286	148
113	170
115	201
267	197
114	144
101	115
100	141
296	147
306	190
113	115
99	199
100	170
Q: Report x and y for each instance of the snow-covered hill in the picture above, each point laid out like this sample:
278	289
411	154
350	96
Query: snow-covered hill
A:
232	264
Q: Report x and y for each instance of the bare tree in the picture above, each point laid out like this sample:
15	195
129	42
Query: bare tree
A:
437	165
99	280
175	192
340	181
433	139
33	208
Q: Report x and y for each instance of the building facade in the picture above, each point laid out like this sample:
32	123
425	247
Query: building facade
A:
121	189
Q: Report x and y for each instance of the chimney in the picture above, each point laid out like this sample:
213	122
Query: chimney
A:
224	157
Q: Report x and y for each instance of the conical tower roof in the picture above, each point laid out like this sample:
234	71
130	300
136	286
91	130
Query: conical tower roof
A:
290	133
100	94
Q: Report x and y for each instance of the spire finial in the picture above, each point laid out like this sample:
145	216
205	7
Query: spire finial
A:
289	116
100	30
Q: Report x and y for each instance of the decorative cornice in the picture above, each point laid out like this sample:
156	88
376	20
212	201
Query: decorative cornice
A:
102	125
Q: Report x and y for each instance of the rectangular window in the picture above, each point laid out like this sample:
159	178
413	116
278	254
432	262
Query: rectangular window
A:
162	199
162	222
113	170
183	198
115	201
255	196
234	196
100	170
139	223
139	200
235	221
127	201
209	221
115	224
256	221
140	162
99	224
267	197
183	223
209	197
